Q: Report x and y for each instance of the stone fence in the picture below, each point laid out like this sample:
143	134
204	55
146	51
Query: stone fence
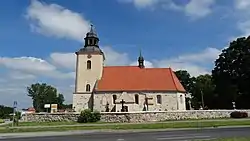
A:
147	116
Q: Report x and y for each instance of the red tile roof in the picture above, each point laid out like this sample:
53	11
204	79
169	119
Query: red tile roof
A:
133	78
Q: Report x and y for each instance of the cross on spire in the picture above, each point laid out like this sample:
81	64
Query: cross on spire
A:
91	28
141	60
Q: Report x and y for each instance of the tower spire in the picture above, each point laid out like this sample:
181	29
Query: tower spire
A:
141	60
91	28
91	44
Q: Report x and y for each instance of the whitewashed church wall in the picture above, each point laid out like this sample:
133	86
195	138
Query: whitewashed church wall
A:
82	101
169	101
181	101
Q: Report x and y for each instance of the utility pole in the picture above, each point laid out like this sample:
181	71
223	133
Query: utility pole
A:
202	100
14	109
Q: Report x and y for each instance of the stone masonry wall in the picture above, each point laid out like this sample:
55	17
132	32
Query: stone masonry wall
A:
135	116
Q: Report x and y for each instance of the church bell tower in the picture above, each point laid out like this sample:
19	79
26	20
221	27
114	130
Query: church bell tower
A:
89	67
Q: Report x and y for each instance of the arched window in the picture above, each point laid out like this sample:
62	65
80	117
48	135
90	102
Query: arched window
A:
88	88
88	64
159	100
181	99
136	99
114	98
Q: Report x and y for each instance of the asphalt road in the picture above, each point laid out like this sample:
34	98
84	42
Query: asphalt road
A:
179	135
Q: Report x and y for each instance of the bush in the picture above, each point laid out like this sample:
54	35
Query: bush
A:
88	116
1	121
238	114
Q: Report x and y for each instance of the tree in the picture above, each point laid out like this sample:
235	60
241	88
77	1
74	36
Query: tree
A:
186	80
67	106
44	94
203	92
232	74
5	112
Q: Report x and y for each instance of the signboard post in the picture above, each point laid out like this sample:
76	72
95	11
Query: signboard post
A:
47	106
53	108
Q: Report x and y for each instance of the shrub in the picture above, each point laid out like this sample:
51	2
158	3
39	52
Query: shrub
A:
1	121
96	116
238	114
88	116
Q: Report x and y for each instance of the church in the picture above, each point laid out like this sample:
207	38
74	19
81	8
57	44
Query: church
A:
122	88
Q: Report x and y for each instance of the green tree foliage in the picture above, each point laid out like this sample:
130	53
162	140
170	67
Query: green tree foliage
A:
186	80
203	92
200	86
67	106
5	112
44	94
231	74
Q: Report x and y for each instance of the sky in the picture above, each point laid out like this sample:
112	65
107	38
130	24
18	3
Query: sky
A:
38	38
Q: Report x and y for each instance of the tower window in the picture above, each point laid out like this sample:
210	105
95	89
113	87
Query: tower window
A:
90	41
88	64
88	88
95	42
159	100
136	99
114	98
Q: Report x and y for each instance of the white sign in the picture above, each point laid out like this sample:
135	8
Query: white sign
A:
46	105
53	108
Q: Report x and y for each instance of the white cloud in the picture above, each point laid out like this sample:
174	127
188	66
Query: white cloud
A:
141	3
55	20
242	16
29	64
242	4
209	54
115	58
14	89
66	60
194	8
21	76
199	8
34	66
195	63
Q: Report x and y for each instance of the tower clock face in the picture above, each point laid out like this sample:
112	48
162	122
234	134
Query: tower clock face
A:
89	55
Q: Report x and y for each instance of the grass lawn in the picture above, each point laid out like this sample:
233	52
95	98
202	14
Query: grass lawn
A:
232	139
112	126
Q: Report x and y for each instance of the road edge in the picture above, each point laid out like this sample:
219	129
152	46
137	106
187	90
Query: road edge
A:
81	132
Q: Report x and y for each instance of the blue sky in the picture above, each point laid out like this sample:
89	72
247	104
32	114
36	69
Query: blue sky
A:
38	38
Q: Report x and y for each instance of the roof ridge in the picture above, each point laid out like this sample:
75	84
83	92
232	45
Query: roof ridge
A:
135	67
119	66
